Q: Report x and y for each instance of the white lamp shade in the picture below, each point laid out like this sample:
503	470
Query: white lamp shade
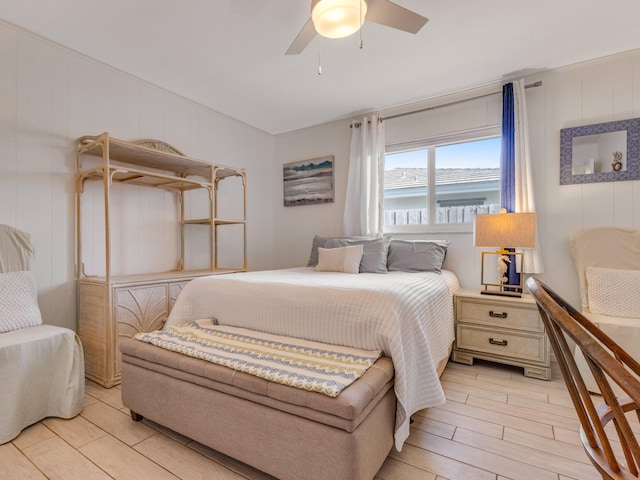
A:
338	18
509	230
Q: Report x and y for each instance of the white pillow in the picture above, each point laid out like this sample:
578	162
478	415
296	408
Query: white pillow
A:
614	292
344	259
18	301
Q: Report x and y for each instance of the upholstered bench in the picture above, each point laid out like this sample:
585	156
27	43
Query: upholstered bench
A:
284	431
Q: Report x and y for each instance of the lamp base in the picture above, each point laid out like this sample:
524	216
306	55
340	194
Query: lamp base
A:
501	293
493	274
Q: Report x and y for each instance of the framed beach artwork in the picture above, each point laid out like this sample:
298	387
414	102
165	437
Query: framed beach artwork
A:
308	182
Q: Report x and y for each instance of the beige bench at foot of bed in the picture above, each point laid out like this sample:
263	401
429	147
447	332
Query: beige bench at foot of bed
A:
284	431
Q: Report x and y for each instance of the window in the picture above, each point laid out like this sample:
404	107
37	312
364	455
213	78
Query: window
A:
435	185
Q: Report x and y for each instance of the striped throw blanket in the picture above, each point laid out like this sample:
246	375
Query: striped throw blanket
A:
312	366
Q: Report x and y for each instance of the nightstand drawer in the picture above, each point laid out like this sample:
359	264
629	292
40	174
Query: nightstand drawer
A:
500	342
499	314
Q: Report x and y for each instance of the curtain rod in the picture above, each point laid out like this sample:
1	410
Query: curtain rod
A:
531	85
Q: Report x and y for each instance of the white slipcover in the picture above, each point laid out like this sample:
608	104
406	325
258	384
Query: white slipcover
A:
41	367
607	247
16	251
41	375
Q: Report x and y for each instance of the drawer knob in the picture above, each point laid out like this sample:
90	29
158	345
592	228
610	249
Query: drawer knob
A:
502	343
497	314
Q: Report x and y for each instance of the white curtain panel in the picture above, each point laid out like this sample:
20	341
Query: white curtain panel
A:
363	210
525	201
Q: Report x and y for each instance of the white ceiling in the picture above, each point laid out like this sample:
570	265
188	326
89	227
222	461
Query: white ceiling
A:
229	54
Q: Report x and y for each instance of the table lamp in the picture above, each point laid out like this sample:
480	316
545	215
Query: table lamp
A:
513	230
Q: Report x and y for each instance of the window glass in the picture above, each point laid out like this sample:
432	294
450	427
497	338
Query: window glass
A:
406	188
442	184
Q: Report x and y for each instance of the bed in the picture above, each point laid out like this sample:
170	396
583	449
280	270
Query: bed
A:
409	316
399	304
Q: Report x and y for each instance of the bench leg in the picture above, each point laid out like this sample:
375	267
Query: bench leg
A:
136	417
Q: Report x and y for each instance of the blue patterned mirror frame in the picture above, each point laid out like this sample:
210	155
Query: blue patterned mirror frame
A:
632	171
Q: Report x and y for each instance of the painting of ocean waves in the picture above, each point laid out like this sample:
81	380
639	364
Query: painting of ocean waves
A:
308	182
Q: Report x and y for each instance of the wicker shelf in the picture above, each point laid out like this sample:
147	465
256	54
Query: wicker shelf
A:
112	306
152	154
156	164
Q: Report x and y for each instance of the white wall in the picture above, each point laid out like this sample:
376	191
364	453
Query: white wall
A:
471	112
49	96
603	90
599	91
296	226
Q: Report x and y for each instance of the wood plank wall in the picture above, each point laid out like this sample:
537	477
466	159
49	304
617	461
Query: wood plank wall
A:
600	90
49	96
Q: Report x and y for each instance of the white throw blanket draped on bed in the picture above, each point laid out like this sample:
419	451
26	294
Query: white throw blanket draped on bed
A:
409	316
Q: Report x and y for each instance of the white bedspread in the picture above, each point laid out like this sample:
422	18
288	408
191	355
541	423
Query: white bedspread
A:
409	316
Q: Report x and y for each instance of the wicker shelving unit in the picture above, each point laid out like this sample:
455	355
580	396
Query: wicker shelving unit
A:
112	306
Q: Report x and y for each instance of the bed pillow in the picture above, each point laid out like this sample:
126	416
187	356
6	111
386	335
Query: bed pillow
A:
18	301
416	255
374	253
344	259
614	292
319	241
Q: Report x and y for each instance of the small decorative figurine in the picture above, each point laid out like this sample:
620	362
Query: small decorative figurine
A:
502	269
617	161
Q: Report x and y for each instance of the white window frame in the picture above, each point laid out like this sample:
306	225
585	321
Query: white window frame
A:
430	145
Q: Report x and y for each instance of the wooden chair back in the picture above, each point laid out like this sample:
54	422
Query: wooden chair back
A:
613	451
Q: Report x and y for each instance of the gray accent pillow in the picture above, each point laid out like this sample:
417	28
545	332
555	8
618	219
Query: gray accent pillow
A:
374	254
319	241
416	255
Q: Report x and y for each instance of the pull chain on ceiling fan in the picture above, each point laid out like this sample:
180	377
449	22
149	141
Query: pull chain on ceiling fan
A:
337	19
341	18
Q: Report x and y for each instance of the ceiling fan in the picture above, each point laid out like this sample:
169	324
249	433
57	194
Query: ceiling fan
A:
341	18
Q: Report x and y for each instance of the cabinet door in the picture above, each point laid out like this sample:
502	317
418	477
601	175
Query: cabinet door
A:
139	309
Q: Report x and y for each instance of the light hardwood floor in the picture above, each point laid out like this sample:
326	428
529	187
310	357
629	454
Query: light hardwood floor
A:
496	424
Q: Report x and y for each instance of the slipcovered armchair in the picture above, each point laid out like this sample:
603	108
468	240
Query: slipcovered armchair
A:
41	366
607	260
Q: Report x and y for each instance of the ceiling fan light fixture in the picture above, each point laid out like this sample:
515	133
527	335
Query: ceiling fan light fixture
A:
338	18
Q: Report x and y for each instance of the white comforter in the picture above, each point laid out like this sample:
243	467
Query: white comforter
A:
409	316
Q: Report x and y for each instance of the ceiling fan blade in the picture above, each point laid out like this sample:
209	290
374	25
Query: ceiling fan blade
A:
392	15
303	39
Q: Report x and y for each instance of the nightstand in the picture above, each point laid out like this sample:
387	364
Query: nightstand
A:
507	330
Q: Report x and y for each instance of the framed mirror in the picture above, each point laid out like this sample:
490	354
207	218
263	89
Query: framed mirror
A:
602	152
